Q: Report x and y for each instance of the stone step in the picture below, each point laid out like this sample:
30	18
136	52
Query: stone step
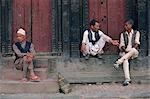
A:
101	70
10	74
39	62
13	74
42	73
96	77
17	87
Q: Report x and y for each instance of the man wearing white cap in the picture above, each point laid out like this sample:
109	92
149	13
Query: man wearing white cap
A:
24	52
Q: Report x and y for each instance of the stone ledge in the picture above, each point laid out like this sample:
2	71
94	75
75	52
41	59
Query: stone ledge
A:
15	87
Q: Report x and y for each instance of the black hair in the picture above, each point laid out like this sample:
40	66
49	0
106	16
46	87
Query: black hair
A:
93	21
130	21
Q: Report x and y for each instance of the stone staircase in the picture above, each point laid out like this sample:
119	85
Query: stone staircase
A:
101	70
75	70
10	77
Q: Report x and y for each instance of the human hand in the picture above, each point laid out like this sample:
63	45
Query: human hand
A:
29	57
83	48
115	42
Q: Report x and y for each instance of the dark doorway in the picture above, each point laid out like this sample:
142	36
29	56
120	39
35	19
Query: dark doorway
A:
70	18
5	26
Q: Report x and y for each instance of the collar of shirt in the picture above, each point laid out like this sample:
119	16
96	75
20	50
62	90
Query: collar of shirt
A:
23	44
93	35
130	32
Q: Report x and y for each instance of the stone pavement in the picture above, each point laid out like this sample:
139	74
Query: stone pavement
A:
89	91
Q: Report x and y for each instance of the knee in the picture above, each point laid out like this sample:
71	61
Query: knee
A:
134	50
25	59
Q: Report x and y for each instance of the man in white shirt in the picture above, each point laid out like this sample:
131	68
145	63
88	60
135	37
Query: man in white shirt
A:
129	45
94	40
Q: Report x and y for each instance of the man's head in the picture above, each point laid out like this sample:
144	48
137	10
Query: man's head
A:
21	35
94	25
129	24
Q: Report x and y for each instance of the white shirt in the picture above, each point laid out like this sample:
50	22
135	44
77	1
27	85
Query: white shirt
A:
101	34
129	46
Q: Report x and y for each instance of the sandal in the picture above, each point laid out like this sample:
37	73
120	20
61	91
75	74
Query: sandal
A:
34	79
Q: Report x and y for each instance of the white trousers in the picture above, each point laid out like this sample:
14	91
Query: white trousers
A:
96	48
133	53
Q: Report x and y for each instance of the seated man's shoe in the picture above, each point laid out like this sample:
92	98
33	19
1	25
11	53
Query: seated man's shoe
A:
87	56
126	82
116	66
99	56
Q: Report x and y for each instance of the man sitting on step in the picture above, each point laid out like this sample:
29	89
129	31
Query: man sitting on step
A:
24	52
94	40
129	45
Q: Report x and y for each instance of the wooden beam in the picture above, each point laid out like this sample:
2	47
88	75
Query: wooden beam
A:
148	7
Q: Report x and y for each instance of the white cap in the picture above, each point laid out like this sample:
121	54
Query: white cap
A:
21	31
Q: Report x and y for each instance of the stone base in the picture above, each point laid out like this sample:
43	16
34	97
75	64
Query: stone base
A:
101	70
15	87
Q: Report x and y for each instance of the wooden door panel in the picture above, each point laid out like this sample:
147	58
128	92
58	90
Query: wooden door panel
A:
116	18
111	15
22	17
41	25
103	15
35	17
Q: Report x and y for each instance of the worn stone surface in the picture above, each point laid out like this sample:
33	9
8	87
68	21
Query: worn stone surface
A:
101	70
16	87
105	91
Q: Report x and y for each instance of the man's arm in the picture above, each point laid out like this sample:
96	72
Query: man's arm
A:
17	51
32	49
137	40
110	40
122	44
123	49
84	41
32	52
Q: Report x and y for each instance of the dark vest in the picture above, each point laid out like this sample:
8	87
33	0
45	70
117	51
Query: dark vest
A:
97	37
126	40
23	50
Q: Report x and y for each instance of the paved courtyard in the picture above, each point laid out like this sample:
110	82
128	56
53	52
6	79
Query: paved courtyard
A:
89	91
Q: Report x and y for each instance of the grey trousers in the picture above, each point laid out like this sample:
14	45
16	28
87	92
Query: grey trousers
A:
26	67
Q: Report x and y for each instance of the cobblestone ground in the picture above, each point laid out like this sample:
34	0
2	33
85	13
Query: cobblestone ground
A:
113	91
105	91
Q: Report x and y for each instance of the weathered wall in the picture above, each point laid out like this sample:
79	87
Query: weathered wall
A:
34	15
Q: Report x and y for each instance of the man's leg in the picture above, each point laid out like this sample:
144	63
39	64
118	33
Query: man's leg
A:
30	68
126	73
33	77
25	67
101	44
86	53
126	69
127	56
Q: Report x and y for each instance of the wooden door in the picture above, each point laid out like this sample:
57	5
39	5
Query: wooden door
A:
111	15
35	17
